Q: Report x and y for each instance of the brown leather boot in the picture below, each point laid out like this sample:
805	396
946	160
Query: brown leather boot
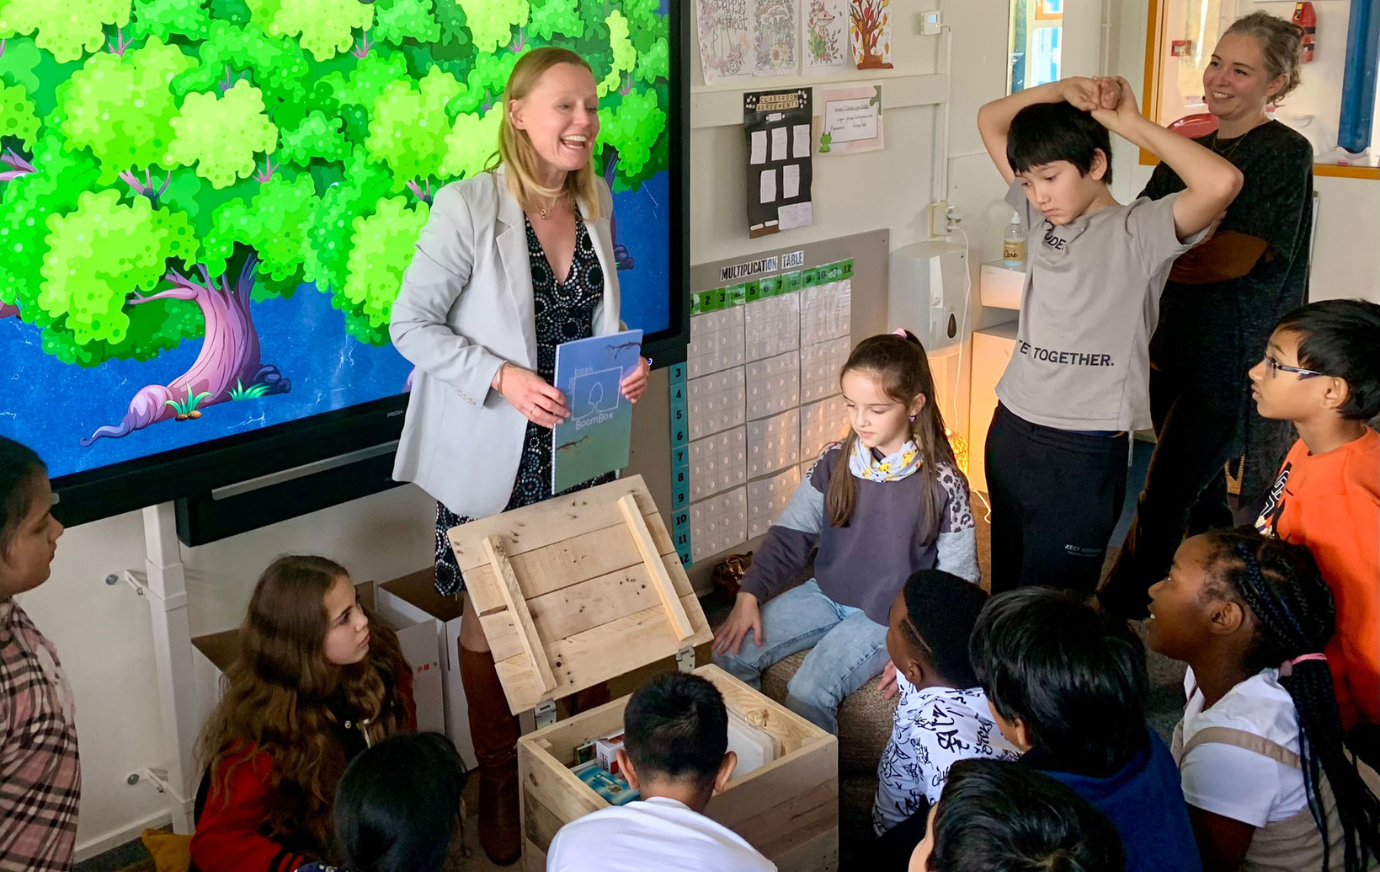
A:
494	731
590	698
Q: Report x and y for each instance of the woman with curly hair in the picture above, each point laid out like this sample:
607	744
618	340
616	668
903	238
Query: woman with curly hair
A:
316	682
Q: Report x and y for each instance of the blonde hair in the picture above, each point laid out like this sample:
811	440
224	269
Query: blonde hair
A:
1280	44
515	151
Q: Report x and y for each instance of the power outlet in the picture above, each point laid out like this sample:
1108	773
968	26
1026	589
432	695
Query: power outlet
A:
939	219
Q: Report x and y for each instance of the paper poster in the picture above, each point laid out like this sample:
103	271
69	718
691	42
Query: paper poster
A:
870	26
775	38
725	32
850	119
777	125
595	438
824	37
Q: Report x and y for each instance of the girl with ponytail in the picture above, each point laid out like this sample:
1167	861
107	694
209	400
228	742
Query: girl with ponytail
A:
1264	764
885	503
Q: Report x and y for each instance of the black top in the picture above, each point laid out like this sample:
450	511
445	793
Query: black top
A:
564	311
1210	335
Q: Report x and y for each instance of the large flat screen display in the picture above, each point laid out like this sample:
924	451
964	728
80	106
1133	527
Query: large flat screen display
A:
206	207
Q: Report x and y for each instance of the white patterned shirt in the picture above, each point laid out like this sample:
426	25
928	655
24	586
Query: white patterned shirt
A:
933	728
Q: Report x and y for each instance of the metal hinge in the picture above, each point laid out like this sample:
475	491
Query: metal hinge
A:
545	713
685	660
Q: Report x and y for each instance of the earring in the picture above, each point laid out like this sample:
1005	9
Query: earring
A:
912	419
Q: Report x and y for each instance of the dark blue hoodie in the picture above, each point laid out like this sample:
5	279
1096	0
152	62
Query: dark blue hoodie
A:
1143	800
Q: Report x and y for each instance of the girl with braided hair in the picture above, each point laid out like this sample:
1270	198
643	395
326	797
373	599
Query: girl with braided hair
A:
1269	781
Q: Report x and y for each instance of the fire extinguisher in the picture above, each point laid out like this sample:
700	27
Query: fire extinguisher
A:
1307	20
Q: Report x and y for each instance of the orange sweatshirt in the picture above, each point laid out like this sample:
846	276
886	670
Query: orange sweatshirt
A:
1331	503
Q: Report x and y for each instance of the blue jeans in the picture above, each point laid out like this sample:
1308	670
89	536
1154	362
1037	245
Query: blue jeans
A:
849	649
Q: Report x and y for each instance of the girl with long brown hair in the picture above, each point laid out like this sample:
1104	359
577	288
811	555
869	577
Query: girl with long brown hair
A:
885	503
317	680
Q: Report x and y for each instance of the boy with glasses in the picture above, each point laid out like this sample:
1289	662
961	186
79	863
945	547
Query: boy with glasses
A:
1322	372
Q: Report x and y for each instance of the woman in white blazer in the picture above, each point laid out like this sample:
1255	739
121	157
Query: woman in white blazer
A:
481	311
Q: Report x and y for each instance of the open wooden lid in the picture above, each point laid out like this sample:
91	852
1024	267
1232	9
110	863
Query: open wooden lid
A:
577	590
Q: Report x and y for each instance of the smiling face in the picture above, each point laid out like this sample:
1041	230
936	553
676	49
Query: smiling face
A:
560	115
27	562
1060	191
880	421
1236	83
347	627
1181	613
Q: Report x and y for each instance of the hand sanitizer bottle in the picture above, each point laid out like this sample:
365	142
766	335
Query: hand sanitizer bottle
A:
1013	247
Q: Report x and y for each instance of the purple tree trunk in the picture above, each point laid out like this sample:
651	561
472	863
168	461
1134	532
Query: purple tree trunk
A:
621	256
229	353
8	310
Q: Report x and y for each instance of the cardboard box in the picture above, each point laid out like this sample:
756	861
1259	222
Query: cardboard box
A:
584	588
412	600
214	652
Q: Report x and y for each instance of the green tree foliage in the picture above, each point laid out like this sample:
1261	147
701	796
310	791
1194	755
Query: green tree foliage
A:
408	126
121	109
17	116
187	136
381	247
324	27
168	18
67	28
222	136
491	22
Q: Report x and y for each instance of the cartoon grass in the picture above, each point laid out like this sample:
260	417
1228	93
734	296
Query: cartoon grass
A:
187	408
253	392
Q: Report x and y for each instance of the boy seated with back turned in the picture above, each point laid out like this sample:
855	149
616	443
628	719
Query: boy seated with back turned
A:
1067	685
675	754
1078	379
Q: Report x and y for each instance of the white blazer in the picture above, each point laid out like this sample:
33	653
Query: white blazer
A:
466	308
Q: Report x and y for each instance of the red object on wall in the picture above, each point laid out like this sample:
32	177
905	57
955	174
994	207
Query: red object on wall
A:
1307	20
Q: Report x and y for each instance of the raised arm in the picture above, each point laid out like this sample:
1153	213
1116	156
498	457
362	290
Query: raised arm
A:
1210	179
994	119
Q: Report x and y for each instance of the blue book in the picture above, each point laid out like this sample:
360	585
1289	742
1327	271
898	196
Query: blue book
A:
612	788
595	438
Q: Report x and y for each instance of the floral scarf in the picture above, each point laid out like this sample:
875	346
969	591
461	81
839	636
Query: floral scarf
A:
902	464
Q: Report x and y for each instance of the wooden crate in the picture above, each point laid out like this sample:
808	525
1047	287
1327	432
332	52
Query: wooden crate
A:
788	809
586	588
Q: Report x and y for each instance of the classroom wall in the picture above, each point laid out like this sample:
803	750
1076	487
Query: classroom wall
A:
1346	261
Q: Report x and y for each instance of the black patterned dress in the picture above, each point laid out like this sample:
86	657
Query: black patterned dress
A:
564	312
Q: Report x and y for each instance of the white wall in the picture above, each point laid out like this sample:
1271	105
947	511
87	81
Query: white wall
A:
1346	260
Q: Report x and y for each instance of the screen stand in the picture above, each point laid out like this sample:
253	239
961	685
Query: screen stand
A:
164	584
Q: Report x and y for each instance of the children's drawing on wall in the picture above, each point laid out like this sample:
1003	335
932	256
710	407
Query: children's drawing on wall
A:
725	32
870	25
775	39
825	36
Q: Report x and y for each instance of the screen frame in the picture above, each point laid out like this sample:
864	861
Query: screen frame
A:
195	471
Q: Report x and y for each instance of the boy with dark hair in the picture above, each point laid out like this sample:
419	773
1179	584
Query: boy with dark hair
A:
675	753
942	715
1068	686
1322	372
1002	817
40	772
1077	381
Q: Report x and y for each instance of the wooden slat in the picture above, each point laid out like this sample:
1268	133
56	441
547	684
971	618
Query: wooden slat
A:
602	653
661	579
533	858
558	741
580	607
789	776
547	523
517	607
552	567
793	819
561	791
794	731
820	854
541	824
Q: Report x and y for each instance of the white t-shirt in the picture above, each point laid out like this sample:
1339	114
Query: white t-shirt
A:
1232	781
657	833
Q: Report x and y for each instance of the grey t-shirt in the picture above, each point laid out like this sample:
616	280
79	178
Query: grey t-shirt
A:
1090	302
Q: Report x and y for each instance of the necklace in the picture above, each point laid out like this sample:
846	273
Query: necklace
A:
545	211
1234	143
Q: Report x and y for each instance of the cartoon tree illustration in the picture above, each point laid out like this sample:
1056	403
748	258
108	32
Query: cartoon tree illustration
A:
167	166
869	21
